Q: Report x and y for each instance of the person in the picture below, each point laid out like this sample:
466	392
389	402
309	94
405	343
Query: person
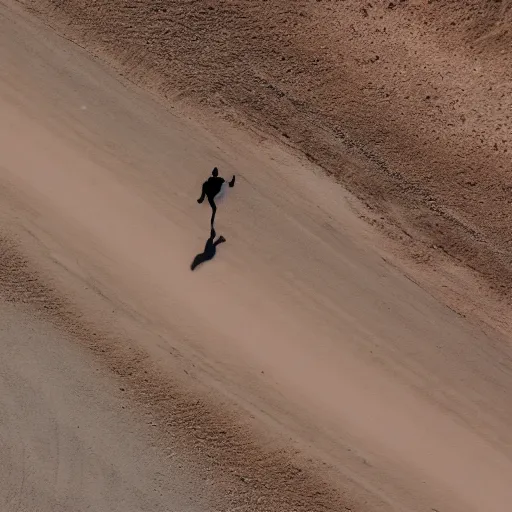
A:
212	187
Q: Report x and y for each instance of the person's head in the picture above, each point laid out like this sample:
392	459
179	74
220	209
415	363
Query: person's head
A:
215	172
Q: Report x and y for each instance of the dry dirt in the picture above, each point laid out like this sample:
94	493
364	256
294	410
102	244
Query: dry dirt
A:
300	370
407	103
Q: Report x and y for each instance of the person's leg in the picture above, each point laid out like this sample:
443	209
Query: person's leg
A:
203	194
214	209
219	240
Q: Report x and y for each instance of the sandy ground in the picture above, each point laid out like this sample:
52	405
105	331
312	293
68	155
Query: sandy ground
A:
406	103
68	440
306	372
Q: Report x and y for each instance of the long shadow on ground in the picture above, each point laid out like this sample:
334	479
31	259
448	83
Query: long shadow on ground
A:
209	250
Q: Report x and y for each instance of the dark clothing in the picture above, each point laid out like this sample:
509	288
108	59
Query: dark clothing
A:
211	187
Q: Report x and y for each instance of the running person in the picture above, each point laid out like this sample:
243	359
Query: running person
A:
211	189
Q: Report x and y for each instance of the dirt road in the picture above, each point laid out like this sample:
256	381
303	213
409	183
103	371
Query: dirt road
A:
351	376
67	440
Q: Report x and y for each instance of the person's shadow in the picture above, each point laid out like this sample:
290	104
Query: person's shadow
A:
209	250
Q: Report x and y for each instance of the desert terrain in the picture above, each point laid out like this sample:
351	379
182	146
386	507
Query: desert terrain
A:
347	349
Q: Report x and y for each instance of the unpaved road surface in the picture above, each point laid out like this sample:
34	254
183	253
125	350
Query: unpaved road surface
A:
67	440
406	103
298	370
